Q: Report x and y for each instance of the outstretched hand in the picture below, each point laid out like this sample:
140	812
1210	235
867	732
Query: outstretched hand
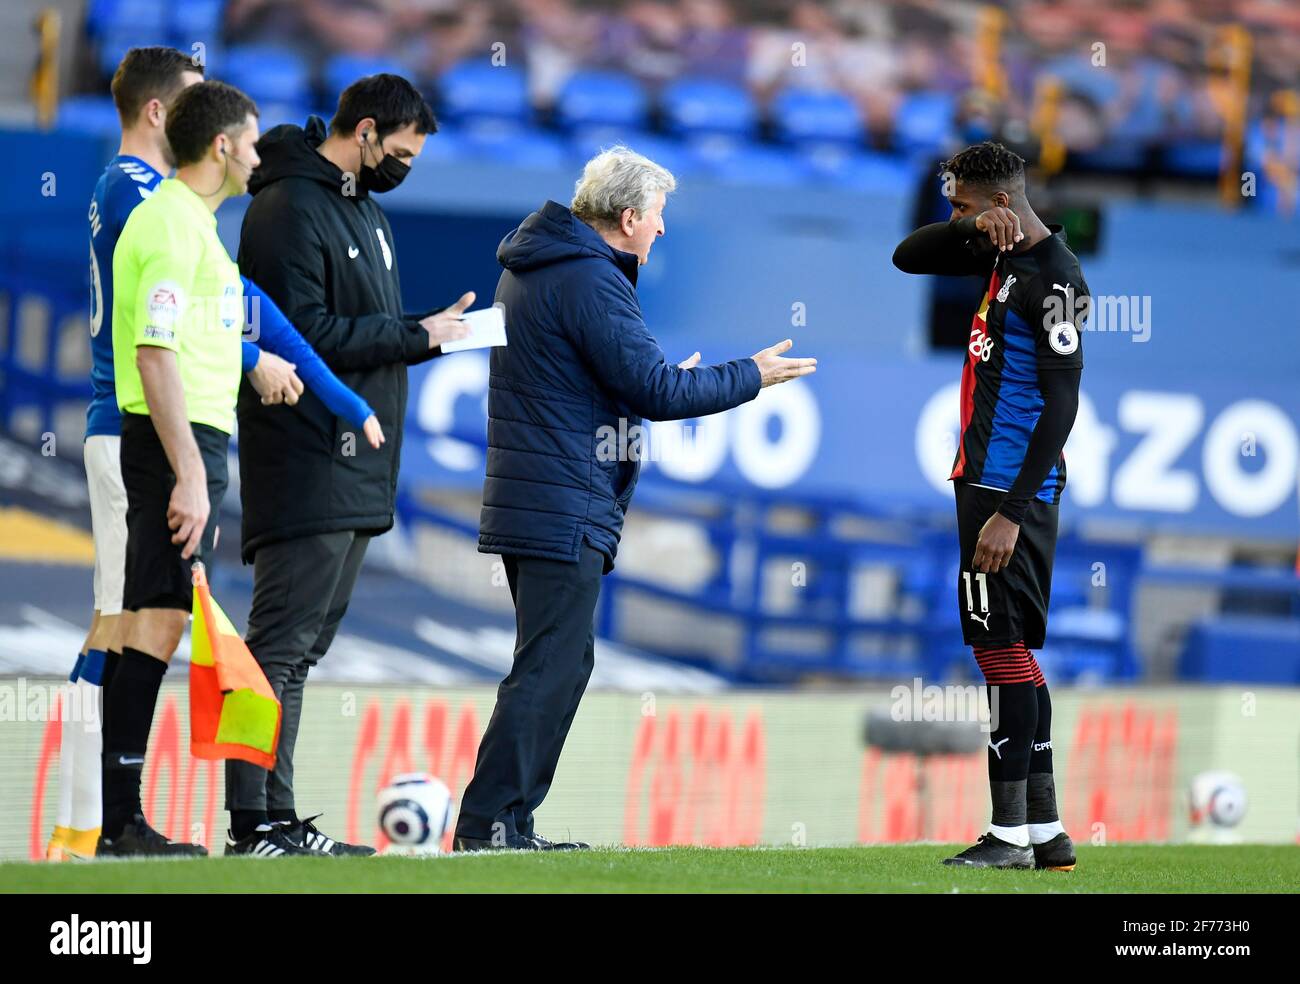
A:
774	369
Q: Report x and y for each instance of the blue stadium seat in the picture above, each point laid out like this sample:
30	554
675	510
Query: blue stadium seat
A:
1243	649
755	164
1112	157
474	90
602	99
863	171
448	144
266	72
923	123
99	13
1194	158
95	115
589	141
342	70
196	20
274	113
514	143
803	116
744	163
144	17
1079	663
703	106
114	45
1078	75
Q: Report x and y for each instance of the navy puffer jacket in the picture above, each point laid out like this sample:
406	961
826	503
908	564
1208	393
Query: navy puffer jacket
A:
579	361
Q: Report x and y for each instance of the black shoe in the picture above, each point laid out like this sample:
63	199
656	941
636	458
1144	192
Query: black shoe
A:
267	841
515	842
991	852
139	840
304	833
1056	854
544	845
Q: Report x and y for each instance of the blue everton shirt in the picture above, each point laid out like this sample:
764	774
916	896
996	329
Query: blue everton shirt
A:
125	183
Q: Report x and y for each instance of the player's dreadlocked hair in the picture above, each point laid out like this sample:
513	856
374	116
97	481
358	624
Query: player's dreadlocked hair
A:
987	165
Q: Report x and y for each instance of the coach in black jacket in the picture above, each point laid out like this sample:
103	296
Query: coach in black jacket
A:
313	493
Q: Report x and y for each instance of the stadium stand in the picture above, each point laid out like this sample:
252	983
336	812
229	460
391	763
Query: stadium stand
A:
1157	98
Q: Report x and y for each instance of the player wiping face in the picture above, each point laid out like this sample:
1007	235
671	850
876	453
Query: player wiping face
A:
993	216
1019	397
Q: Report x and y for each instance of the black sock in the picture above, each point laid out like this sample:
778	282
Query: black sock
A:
129	705
111	660
1041	791
288	816
244	822
1008	802
1015	716
1010	672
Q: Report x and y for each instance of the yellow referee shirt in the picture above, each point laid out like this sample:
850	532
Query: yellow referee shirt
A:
175	286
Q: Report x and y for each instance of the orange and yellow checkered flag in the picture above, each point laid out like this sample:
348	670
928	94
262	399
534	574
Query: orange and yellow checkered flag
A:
233	711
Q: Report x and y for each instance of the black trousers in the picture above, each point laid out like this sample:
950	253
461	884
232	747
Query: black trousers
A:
555	604
301	590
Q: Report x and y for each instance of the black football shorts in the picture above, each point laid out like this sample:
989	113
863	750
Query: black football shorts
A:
1011	605
156	575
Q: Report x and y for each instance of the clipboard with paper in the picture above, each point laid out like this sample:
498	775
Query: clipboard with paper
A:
487	329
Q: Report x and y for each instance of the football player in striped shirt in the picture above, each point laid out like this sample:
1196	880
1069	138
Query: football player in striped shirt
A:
1019	396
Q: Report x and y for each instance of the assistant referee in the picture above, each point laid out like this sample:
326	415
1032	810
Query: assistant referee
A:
178	317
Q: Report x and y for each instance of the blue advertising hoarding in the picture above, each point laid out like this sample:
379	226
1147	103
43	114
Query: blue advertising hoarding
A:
1211	454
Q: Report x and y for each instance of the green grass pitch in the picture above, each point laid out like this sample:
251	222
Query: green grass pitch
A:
901	869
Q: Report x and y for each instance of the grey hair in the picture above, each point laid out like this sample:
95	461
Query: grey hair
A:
616	179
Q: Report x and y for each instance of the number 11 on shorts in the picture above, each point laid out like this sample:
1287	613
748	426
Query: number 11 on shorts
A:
982	579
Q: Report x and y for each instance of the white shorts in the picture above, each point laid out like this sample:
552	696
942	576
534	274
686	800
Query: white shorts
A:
107	519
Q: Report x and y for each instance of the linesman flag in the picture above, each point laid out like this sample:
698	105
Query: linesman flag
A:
233	711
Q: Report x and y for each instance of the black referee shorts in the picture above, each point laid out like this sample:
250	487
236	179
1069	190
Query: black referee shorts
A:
1011	605
156	575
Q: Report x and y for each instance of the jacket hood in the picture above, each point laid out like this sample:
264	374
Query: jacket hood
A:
289	151
553	235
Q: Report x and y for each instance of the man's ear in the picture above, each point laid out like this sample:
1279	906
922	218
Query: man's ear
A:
626	220
364	126
1001	199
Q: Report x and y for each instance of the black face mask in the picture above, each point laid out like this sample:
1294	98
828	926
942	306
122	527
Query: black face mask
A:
388	175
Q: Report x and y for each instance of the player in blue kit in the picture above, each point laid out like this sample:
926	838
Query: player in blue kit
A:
144	84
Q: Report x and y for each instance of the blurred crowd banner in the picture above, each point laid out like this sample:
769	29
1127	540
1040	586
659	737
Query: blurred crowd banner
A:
733	769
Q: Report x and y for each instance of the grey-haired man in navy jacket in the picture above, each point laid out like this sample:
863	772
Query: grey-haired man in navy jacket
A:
580	366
